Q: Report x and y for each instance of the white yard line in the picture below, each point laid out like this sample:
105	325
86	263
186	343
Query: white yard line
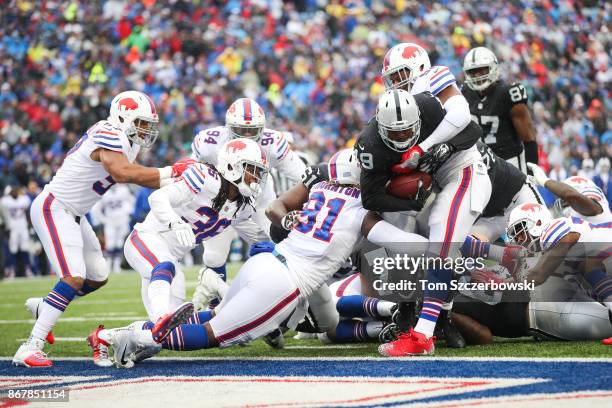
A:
81	319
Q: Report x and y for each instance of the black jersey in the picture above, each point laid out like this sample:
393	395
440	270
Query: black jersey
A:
506	181
505	319
377	159
492	112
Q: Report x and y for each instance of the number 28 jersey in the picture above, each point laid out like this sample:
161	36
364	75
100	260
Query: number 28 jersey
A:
81	182
318	247
492	113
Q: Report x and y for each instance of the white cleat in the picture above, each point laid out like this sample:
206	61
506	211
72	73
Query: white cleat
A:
33	305
210	286
132	346
31	354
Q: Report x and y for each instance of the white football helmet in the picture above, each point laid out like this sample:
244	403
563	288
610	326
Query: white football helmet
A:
585	187
526	224
403	64
134	113
398	112
239	158
245	118
476	59
343	167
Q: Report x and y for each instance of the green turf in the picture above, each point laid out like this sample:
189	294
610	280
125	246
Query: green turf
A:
119	303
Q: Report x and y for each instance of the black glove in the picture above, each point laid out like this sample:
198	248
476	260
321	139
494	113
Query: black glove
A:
311	176
435	157
419	201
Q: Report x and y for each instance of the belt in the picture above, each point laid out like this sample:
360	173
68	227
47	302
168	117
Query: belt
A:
280	257
77	218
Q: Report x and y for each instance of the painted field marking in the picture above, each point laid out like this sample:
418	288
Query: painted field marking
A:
80	319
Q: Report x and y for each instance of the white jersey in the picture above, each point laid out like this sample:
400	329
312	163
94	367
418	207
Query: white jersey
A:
191	198
117	205
317	248
435	80
15	211
206	145
81	182
590	189
597	238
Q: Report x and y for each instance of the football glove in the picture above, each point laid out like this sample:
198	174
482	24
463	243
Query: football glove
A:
184	233
436	157
292	220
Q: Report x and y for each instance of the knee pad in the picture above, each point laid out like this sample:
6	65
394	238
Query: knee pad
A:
164	271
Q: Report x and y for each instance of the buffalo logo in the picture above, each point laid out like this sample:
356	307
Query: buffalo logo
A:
235	145
128	104
232	108
579	180
410	51
533	207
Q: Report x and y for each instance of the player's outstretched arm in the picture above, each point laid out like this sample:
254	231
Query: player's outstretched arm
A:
380	232
552	259
122	171
521	119
579	202
291	200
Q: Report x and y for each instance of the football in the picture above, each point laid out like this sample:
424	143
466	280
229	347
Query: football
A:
406	185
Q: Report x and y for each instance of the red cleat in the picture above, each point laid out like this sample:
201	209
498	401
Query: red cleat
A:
169	322
99	348
408	344
607	342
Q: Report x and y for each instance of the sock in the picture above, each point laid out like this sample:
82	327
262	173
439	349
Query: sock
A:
602	285
200	317
159	288
474	248
221	271
433	300
52	308
356	330
363	306
187	337
86	289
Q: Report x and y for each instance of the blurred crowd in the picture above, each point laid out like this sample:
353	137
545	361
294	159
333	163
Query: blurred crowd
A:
313	65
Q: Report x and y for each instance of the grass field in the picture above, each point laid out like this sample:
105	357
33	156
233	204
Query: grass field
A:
119	303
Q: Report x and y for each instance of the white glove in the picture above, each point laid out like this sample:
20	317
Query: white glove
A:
184	233
539	177
210	286
292	219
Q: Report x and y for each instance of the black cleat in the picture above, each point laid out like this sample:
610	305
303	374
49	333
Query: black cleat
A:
275	339
388	333
404	316
445	329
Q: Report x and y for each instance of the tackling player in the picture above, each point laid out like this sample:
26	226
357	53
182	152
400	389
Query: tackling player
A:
500	108
403	121
325	225
104	156
244	118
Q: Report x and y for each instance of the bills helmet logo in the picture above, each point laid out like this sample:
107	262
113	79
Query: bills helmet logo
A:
128	104
235	145
533	207
410	51
579	180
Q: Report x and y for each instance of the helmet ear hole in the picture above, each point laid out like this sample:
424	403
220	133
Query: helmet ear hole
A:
120	119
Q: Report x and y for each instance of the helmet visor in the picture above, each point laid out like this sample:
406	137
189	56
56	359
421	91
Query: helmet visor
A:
145	132
398	78
400	138
249	132
479	77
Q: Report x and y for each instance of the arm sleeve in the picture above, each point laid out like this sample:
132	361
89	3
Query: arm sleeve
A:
456	119
164	200
291	166
402	242
531	152
374	194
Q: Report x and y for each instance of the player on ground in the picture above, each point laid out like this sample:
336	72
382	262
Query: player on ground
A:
569	246
15	206
104	156
578	197
114	211
196	207
403	121
325	225
500	108
244	118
